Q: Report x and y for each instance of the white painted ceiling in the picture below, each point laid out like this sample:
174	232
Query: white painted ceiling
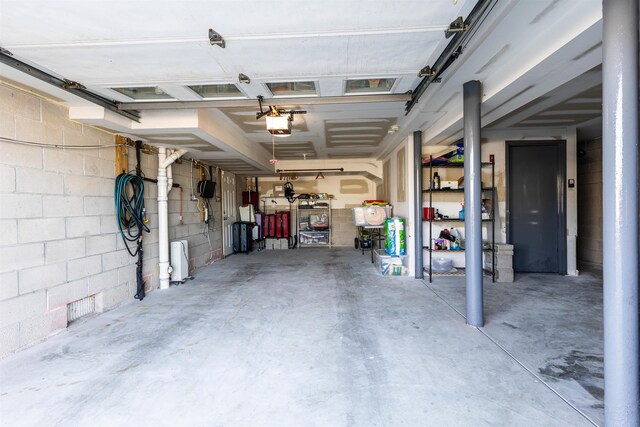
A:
523	52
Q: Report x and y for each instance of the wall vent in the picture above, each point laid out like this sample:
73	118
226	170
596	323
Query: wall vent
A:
80	308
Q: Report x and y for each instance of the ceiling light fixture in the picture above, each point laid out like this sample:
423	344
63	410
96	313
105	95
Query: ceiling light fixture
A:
216	39
278	120
279	125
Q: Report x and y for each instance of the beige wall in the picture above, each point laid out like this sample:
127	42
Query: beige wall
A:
58	237
590	202
402	207
349	190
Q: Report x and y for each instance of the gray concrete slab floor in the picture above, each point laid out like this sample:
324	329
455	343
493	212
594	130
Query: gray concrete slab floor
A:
306	337
552	324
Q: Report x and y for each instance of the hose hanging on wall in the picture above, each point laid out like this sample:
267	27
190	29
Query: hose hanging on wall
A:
130	217
130	211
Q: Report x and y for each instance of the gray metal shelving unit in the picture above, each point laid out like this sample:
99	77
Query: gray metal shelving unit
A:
310	235
431	191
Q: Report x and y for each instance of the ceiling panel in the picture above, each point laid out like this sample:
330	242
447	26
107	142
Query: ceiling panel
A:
392	53
119	20
136	65
356	133
290	151
182	140
117	43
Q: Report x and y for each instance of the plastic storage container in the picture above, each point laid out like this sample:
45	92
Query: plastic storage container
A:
442	265
388	265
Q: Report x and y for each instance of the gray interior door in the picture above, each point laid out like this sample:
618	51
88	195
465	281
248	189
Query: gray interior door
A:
536	206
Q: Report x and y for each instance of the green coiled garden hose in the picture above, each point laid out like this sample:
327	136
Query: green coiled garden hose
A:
130	211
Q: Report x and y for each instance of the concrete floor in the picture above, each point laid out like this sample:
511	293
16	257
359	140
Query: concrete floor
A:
305	337
552	325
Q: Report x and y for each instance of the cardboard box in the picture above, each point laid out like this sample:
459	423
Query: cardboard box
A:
453	185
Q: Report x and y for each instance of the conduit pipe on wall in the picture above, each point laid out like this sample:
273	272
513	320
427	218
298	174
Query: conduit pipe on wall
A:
165	181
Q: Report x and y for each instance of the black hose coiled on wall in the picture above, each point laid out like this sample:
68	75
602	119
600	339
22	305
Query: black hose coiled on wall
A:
130	217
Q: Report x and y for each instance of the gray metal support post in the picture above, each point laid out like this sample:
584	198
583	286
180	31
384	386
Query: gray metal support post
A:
417	176
620	210
473	202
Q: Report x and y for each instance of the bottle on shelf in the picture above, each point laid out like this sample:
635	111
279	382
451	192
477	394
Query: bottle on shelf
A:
461	213
436	181
455	245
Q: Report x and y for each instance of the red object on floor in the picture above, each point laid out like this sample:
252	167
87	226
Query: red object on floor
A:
270	225
282	225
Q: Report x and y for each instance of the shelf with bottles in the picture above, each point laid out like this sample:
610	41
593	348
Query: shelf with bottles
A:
453	220
442	211
453	211
453	190
461	250
451	165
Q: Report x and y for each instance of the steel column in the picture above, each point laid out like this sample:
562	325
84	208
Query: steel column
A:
473	202
417	213
620	210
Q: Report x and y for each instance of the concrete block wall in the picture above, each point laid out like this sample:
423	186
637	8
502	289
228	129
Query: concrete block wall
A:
343	231
589	241
58	235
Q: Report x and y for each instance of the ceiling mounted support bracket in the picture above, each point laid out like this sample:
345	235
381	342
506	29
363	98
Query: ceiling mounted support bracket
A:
5	51
70	86
462	31
456	26
262	113
243	78
429	73
215	39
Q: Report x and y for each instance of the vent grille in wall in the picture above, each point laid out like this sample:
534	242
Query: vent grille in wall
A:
80	308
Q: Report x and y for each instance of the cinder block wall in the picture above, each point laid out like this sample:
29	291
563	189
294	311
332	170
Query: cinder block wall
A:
58	236
344	232
589	241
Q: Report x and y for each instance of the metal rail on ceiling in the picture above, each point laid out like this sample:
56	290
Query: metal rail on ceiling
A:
454	49
67	85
